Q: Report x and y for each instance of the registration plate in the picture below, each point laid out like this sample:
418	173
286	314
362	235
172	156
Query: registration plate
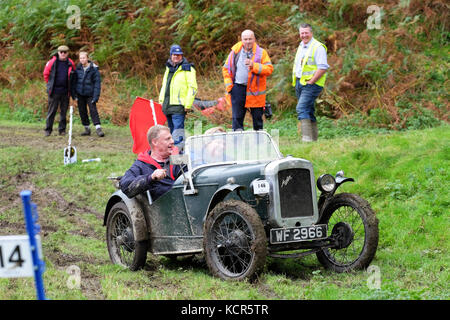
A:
296	234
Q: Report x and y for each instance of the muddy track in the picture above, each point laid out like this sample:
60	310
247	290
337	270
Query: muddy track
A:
47	197
52	204
33	136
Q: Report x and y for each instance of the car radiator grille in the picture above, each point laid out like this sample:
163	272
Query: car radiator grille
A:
295	193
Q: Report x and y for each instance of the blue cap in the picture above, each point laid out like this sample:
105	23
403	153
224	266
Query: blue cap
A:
175	49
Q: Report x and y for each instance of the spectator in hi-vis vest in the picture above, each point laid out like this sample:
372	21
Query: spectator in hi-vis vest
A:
245	72
308	78
178	91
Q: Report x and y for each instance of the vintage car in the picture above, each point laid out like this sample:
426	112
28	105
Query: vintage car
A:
237	201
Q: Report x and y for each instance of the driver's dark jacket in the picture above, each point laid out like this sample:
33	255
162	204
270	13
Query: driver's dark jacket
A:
138	179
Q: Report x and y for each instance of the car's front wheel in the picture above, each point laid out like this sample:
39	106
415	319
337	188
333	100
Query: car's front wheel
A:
234	241
122	247
354	226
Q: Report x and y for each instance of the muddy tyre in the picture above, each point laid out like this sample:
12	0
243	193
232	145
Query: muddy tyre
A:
234	241
123	249
351	219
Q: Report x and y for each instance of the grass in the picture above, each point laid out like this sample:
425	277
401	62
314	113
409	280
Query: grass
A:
404	175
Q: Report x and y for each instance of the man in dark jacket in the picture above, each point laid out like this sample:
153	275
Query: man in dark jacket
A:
152	170
87	91
57	75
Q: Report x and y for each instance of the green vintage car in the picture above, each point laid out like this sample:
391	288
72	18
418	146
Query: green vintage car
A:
238	201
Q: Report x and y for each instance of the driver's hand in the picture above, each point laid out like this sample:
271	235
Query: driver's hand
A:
159	174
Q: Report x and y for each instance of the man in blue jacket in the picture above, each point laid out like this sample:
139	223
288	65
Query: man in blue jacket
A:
152	170
87	91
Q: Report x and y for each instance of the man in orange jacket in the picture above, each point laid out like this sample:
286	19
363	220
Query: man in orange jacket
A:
245	72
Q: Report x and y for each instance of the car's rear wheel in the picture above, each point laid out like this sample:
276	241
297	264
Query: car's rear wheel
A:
352	222
122	247
234	241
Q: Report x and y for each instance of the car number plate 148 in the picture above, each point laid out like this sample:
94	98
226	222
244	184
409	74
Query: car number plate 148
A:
286	235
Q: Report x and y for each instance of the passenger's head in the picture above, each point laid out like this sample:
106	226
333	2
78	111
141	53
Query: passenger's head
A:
215	151
215	130
215	145
160	140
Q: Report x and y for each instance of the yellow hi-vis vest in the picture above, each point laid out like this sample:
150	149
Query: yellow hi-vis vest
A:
309	66
183	87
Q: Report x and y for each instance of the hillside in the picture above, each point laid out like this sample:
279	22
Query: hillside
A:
389	59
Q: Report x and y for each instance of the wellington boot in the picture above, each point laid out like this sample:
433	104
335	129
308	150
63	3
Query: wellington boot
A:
315	131
299	129
306	130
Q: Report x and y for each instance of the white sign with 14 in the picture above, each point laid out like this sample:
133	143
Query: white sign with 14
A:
15	256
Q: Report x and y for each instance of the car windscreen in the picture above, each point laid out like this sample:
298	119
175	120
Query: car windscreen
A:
231	147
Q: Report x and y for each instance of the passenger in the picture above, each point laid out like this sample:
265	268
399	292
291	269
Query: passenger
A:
215	149
209	149
152	170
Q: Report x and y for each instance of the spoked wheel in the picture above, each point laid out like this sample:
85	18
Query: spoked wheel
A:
234	241
122	247
352	222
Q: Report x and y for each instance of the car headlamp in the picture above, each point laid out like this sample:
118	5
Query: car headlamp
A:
326	183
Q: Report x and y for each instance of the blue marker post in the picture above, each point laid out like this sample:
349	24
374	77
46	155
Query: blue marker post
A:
31	217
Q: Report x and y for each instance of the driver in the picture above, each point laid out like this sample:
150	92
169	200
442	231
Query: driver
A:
152	170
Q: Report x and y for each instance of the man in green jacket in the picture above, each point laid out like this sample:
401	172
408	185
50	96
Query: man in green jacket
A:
178	91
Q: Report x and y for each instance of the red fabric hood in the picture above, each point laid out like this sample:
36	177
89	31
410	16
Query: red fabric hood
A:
145	157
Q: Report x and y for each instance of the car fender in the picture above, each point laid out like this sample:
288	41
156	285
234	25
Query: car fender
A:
325	198
138	221
341	180
220	194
